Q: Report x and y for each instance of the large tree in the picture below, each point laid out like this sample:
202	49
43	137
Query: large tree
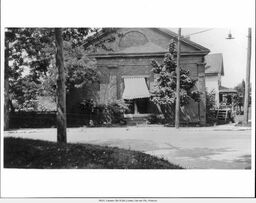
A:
38	46
164	94
30	56
23	46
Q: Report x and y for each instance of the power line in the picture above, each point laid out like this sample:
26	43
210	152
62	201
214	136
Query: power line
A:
198	32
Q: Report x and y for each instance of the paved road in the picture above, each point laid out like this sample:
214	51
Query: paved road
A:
198	148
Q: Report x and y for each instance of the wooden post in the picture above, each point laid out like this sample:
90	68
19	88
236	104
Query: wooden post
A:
135	107
247	81
202	90
177	109
217	95
61	90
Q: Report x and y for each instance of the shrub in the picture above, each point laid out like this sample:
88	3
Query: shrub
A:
107	114
157	119
116	110
210	108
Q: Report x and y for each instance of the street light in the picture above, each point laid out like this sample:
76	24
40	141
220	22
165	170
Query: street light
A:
230	36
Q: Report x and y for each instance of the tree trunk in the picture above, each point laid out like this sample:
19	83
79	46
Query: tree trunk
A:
61	90
6	87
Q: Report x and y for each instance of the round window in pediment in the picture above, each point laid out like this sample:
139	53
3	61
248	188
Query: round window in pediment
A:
132	38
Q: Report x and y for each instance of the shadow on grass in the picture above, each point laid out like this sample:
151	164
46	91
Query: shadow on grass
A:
28	153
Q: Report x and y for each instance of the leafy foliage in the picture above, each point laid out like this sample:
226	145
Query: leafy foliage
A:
25	46
165	84
31	51
25	91
116	111
239	98
210	108
106	114
80	70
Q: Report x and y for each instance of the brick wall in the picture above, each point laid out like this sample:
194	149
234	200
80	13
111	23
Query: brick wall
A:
133	58
113	69
111	84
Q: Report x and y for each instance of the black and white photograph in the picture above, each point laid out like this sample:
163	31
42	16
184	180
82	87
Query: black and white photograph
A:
125	98
119	103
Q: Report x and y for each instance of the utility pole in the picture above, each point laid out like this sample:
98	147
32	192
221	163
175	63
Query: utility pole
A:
247	80
61	89
177	109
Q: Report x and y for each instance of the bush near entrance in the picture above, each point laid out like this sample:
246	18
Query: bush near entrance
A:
164	93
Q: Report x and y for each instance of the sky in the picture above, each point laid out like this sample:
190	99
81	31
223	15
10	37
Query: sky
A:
234	51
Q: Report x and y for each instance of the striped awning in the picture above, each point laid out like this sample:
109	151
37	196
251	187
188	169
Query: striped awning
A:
135	88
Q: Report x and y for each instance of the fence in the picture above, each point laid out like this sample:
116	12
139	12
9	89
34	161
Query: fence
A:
35	119
32	119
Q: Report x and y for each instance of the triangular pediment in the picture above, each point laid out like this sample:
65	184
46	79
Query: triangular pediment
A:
147	40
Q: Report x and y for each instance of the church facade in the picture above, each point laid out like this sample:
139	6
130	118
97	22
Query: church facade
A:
125	71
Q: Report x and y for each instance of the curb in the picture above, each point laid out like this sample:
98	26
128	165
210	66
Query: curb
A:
232	129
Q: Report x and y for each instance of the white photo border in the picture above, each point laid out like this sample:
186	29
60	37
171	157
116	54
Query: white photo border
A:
128	183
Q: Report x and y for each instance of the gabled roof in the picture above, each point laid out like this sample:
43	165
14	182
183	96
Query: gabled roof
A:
214	64
184	40
151	48
227	90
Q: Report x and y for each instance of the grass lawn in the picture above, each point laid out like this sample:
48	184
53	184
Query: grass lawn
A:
28	153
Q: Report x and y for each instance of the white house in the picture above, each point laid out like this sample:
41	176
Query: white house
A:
214	69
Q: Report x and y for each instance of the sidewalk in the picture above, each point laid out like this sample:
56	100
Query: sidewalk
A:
232	127
224	127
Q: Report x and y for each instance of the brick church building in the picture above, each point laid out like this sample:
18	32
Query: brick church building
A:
125	71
